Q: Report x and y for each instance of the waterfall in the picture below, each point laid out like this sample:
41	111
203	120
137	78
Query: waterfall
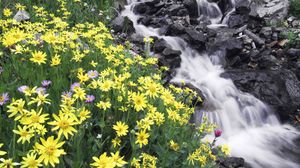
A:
249	127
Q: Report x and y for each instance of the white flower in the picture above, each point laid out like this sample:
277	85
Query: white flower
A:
99	136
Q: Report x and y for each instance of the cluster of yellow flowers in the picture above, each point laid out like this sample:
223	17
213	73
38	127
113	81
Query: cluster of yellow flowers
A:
201	155
114	94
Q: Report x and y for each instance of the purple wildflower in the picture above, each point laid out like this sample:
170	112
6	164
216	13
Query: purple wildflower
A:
93	74
89	98
46	83
76	84
23	88
67	94
1	69
41	90
4	99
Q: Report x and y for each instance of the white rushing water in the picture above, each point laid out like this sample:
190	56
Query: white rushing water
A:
249	127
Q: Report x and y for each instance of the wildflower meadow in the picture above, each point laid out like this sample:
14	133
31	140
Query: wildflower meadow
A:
72	97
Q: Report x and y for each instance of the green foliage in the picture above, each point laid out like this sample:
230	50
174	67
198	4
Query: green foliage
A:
85	11
293	38
295	8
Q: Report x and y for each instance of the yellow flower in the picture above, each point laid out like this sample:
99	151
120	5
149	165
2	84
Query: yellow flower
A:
173	115
49	150
152	89
40	99
25	134
142	138
106	85
103	105
121	128
84	114
12	37
19	6
16	108
7	12
65	125
35	119
202	160
191	158
29	92
79	93
118	160
135	162
93	63
145	124
55	60
148	40
38	57
174	146
30	161
116	142
2	152
225	149
139	101
8	163
50	38
103	162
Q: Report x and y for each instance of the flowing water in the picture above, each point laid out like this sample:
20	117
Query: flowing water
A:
249	127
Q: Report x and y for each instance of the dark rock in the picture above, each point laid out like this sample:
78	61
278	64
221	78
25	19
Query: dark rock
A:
170	58
237	20
225	41
176	10
267	62
231	162
240	29
293	53
272	44
137	39
145	20
280	89
242	10
141	8
174	30
147	8
254	37
192	7
195	38
170	53
254	55
275	36
122	24
266	32
160	45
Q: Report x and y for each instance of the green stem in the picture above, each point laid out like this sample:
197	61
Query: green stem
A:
14	141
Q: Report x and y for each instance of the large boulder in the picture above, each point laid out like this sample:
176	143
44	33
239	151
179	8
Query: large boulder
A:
280	89
231	162
225	41
273	9
122	24
192	7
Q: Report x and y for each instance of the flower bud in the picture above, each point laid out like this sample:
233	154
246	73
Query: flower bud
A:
218	133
